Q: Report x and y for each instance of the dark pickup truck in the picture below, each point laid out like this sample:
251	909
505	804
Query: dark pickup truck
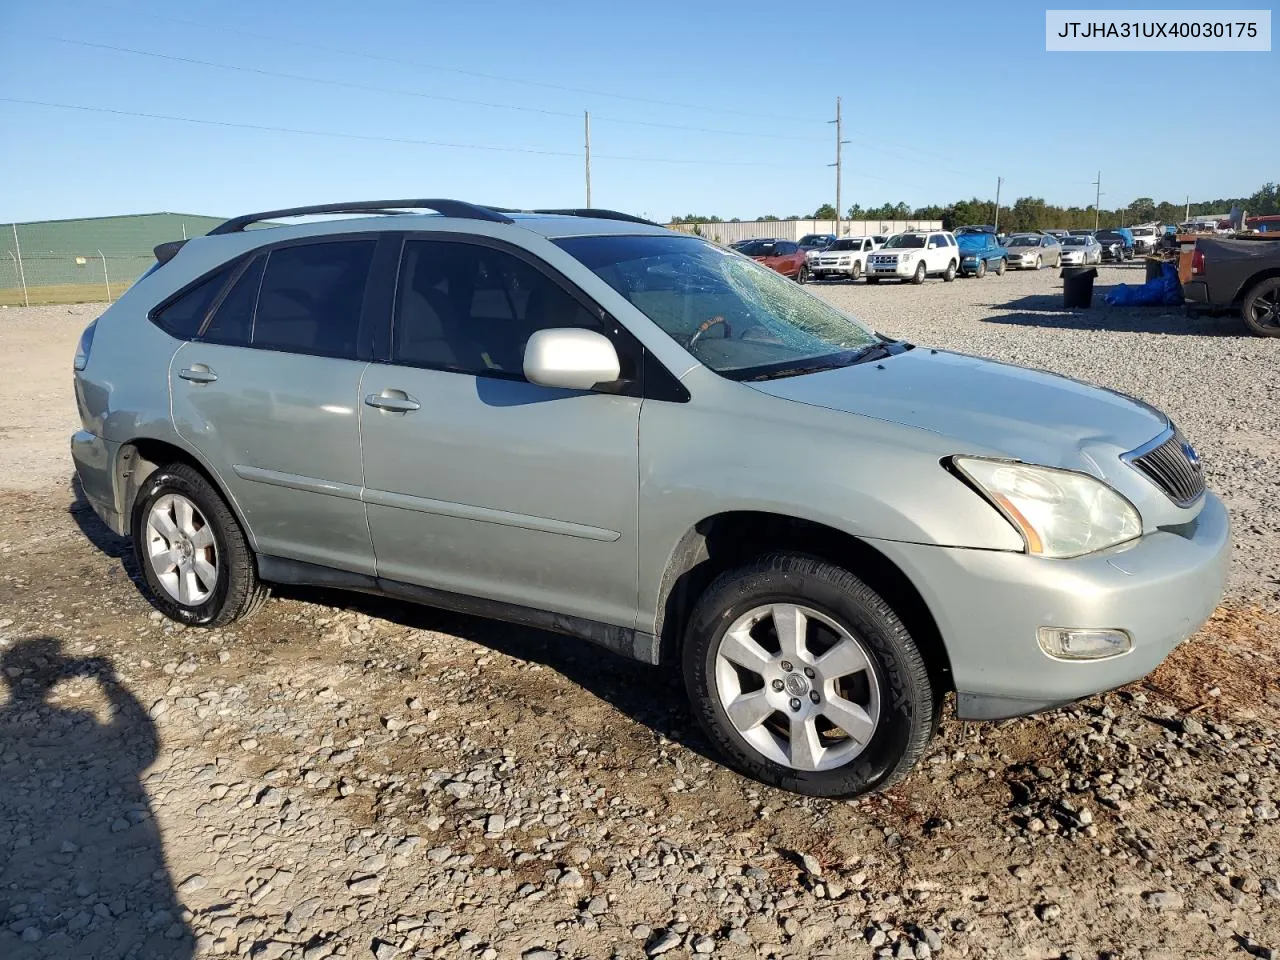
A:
1238	274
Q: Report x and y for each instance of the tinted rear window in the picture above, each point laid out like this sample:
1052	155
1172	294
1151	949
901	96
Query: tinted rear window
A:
311	297
182	317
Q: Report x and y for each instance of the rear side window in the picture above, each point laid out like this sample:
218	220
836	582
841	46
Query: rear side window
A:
311	297
182	317
232	322
785	249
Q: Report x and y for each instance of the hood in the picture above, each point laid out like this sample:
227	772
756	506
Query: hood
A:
986	407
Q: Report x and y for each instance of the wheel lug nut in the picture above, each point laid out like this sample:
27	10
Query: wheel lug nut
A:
786	665
808	672
813	695
795	703
777	685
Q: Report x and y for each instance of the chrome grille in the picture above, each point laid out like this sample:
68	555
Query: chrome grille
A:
1173	466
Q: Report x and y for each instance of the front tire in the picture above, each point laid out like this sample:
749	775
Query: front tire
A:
919	274
806	679
1001	267
982	269
856	272
802	275
193	554
1039	262
1261	308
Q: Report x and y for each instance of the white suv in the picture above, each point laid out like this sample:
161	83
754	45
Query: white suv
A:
915	255
845	259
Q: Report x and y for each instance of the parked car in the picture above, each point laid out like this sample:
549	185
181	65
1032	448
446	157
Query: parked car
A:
739	244
580	421
1033	250
1144	239
1114	245
784	256
975	228
880	239
980	252
1060	234
816	241
846	259
1081	251
1081	233
915	255
1238	274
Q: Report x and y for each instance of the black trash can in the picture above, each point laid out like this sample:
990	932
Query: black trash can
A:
1077	286
1154	268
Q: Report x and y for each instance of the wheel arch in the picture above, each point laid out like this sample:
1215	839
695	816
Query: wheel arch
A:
142	456
726	540
1253	281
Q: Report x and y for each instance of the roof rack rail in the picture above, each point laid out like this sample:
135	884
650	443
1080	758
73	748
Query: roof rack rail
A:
597	213
448	208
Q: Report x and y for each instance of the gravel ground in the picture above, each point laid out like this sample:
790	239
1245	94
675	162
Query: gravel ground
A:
342	776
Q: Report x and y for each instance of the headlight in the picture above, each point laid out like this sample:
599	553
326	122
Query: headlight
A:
1059	513
906	257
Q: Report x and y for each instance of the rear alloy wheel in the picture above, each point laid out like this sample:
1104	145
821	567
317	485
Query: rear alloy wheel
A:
951	272
919	274
806	679
194	557
1261	308
982	269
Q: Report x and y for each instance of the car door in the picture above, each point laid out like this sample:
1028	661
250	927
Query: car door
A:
478	482
268	395
937	253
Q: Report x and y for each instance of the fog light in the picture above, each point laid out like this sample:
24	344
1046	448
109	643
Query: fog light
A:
1067	643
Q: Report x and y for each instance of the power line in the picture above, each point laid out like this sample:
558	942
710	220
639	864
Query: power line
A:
421	65
373	88
381	139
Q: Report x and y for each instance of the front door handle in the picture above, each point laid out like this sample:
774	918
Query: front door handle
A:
396	401
198	373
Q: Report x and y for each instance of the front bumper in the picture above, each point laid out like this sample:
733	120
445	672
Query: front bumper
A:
896	269
94	460
823	271
989	604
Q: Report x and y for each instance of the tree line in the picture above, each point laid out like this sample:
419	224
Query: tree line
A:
1033	213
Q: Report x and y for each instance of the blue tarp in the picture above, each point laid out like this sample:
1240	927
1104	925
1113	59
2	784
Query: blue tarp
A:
1162	291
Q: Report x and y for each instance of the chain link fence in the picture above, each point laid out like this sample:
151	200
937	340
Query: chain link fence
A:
92	259
68	278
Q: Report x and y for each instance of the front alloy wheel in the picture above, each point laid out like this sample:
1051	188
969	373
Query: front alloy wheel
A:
806	679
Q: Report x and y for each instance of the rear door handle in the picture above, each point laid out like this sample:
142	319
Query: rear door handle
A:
198	373
396	401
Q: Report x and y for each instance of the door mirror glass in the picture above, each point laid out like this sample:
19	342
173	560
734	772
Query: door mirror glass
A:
932	245
570	359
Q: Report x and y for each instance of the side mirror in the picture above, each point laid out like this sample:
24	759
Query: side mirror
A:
933	246
570	359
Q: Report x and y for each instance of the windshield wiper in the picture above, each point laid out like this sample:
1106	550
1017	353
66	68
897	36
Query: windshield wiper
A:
873	351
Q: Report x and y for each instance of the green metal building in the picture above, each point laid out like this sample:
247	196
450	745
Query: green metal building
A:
88	259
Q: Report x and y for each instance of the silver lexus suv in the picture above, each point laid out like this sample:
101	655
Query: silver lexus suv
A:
578	420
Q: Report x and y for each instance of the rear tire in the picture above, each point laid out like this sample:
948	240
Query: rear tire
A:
192	552
1261	308
867	670
950	273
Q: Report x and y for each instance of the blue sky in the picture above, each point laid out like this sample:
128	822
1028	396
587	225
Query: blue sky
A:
939	99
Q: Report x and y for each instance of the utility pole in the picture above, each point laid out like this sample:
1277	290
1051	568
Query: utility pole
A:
1097	203
586	119
839	143
996	224
1188	216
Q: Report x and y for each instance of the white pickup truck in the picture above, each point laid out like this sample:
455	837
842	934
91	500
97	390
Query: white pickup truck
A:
845	259
1145	238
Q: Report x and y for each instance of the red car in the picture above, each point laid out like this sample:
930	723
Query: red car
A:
785	256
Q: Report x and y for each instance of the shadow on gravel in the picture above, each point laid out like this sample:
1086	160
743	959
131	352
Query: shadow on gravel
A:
1046	310
652	696
100	535
82	866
